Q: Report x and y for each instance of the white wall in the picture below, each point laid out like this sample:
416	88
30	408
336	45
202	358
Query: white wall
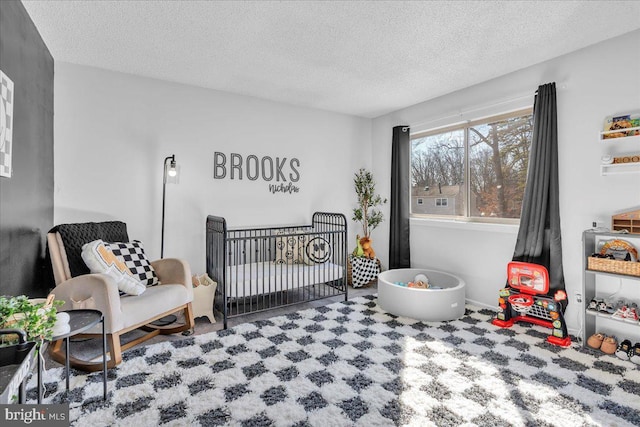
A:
592	83
113	130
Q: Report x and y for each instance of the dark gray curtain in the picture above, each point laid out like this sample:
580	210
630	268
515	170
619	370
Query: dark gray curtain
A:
539	234
399	251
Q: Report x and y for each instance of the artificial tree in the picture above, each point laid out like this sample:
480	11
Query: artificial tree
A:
367	212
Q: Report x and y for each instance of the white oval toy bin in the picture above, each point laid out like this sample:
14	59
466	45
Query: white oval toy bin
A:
443	300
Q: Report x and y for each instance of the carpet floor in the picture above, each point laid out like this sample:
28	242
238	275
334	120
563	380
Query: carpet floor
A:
350	363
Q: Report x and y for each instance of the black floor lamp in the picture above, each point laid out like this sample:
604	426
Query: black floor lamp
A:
171	171
167	172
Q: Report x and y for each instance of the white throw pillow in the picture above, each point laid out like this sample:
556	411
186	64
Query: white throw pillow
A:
291	249
100	259
318	250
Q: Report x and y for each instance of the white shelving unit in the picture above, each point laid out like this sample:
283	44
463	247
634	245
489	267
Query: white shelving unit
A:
603	285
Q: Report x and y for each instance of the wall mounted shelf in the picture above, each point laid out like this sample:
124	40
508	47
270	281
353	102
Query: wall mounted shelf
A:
620	168
621	138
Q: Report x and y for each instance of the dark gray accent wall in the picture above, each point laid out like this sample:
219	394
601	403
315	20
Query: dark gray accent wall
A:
26	199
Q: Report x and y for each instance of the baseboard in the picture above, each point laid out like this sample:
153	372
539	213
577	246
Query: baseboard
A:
482	305
576	333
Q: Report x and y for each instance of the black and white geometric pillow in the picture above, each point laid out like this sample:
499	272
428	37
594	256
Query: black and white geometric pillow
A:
132	254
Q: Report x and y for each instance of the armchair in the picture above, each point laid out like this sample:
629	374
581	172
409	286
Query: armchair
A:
76	285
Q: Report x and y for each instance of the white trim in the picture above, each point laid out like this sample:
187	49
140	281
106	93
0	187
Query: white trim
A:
483	305
464	225
475	114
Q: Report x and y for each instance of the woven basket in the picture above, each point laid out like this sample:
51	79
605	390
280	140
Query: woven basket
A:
614	266
350	277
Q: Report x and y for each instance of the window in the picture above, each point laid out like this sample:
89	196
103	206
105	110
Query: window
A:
477	170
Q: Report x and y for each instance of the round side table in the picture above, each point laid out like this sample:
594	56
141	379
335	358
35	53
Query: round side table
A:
79	321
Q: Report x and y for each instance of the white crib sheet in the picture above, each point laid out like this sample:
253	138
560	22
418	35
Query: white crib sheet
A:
259	278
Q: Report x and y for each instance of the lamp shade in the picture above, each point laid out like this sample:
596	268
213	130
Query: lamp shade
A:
172	169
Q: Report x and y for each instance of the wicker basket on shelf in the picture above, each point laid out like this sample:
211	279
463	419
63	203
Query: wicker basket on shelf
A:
629	268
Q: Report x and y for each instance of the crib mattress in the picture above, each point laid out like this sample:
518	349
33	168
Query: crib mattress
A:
259	278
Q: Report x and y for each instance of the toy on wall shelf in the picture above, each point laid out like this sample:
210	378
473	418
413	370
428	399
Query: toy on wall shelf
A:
621	126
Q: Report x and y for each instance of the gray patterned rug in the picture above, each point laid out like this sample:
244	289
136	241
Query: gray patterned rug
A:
349	363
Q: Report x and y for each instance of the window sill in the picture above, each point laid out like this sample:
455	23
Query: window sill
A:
464	225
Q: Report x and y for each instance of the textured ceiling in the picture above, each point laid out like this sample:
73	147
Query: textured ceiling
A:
365	58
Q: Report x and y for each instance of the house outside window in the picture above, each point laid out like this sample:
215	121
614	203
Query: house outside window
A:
475	171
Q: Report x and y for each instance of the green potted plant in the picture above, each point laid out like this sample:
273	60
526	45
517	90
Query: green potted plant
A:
367	212
36	318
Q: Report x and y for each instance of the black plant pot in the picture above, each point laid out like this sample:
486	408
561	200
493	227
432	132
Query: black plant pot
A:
12	359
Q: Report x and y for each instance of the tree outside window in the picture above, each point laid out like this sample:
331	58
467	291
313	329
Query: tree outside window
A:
479	169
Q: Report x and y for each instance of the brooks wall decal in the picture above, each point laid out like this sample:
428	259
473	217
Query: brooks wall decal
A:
280	172
6	124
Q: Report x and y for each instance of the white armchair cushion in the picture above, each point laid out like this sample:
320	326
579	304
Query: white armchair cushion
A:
101	259
156	299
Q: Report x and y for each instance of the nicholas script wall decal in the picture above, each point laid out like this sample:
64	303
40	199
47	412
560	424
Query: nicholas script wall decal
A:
284	171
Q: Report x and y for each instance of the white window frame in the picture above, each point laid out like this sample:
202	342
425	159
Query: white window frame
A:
441	200
465	126
420	201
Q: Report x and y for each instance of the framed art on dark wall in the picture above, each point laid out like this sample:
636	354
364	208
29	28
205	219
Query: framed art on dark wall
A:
6	124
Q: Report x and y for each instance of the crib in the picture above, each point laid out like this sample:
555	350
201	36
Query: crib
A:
260	269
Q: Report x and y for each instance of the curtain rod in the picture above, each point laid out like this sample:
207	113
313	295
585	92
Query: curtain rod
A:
461	113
